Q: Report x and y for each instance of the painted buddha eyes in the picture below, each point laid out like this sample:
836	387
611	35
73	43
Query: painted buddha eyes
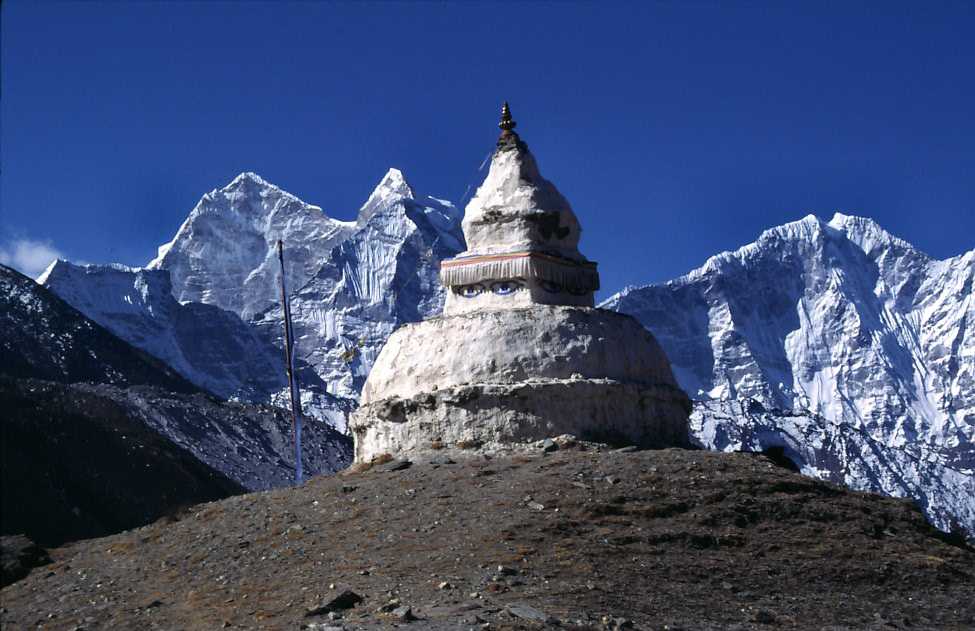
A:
505	287
470	291
498	288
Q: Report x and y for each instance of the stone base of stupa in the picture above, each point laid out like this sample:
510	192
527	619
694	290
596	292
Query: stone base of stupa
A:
495	418
493	381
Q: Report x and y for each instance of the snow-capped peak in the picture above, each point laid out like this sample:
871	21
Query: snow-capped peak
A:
248	176
393	184
61	265
808	229
223	254
868	234
392	189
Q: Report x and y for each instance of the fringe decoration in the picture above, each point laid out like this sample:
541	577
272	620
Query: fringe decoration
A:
530	265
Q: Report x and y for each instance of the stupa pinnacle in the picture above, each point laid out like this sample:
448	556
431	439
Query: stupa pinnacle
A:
523	239
519	354
507	123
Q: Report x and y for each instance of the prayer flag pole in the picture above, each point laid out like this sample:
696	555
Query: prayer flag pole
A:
289	358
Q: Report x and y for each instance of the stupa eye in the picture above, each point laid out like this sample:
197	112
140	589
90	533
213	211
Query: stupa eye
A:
505	287
578	292
550	287
470	291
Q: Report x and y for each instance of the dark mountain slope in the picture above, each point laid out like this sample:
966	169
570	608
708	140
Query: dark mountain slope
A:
43	337
75	467
101	458
658	539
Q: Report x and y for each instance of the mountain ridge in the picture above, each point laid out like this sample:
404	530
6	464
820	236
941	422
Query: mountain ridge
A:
821	320
843	323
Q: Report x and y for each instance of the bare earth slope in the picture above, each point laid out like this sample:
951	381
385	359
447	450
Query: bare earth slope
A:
688	539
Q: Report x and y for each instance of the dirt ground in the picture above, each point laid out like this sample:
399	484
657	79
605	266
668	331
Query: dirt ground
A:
670	539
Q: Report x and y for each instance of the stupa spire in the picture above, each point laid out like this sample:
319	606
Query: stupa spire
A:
509	138
507	123
522	239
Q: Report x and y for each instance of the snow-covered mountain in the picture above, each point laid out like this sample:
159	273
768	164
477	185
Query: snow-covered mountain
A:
841	343
209	303
44	337
224	253
836	341
209	346
351	283
383	275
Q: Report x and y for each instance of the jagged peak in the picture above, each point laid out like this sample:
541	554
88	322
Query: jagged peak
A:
245	186
393	184
250	181
393	187
808	228
868	234
248	176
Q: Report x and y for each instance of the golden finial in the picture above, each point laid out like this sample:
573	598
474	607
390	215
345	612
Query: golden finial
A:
507	123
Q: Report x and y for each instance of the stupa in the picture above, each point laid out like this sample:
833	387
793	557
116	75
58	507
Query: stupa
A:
519	354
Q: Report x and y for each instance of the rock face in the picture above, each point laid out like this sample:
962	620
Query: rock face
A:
18	555
516	355
249	444
87	460
65	446
841	343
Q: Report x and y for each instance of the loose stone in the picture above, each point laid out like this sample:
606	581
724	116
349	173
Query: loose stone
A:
346	600
525	612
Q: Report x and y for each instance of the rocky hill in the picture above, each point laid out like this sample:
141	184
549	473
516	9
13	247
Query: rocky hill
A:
577	538
843	345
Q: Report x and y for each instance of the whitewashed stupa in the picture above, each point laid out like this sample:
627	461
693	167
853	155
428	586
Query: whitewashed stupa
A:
519	354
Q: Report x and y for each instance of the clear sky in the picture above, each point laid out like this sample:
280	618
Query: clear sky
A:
675	129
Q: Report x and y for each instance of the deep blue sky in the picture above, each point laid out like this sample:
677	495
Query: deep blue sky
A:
675	129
